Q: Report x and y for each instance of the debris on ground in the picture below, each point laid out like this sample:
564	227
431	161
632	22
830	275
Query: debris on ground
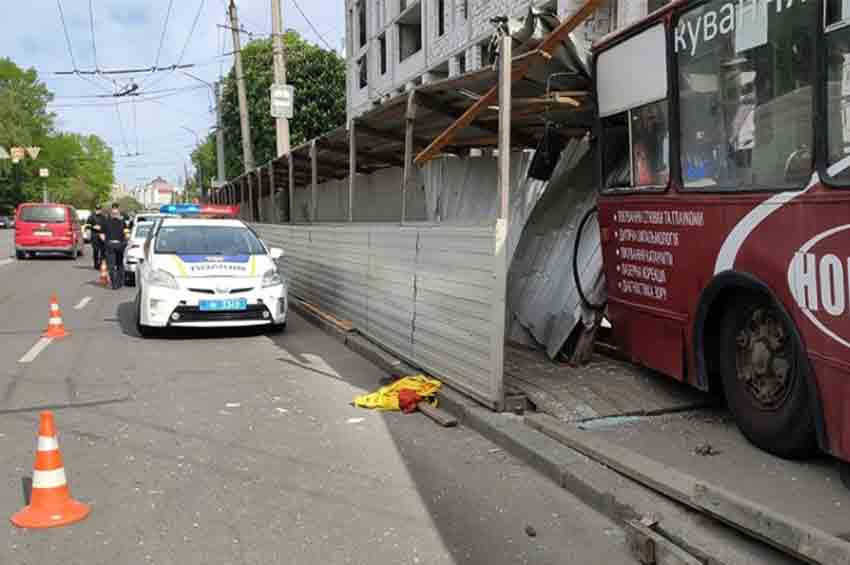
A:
530	531
355	420
420	388
706	450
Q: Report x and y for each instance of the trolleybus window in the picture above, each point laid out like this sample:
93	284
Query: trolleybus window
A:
745	93
838	84
633	104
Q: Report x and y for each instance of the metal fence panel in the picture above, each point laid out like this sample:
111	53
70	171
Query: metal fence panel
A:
430	294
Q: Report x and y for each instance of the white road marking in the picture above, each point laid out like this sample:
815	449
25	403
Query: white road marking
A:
83	303
39	346
6	261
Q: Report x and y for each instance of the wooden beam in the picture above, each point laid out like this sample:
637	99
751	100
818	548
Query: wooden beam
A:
291	181
546	48
390	135
314	168
433	104
352	167
409	124
275	213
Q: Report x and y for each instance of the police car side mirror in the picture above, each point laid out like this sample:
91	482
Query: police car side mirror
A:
276	253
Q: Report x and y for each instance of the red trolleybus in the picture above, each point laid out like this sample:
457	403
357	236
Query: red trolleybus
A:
724	155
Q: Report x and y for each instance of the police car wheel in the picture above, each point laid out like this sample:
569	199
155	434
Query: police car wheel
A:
763	368
143	330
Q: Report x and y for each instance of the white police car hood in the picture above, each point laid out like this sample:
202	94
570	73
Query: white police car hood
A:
214	266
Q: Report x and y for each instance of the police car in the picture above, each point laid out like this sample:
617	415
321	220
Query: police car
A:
202	272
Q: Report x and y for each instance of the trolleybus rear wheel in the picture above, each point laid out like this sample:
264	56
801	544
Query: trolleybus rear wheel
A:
763	378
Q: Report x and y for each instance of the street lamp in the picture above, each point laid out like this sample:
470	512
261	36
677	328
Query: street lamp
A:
219	136
200	168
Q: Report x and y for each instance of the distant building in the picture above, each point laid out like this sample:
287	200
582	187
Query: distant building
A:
156	193
119	191
392	45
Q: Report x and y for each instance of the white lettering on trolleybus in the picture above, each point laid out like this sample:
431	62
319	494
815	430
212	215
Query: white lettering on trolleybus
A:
711	24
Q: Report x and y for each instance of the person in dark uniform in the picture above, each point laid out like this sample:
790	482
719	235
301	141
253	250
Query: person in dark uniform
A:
115	241
96	226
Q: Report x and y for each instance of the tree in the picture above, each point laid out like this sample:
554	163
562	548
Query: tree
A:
204	160
319	80
24	121
81	168
129	205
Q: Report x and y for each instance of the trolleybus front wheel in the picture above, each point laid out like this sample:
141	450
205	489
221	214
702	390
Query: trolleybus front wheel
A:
762	366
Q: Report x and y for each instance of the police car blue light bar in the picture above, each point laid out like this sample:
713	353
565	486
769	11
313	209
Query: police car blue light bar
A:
206	210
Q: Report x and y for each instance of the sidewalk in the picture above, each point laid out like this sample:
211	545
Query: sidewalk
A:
694	508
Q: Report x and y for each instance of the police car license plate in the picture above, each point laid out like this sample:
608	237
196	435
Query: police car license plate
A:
223	305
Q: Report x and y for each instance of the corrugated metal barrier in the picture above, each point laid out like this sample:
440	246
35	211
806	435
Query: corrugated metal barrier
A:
432	294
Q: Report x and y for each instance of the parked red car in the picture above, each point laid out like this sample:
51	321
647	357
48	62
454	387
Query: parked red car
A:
47	228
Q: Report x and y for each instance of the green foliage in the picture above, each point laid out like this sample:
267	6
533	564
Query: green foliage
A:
81	168
129	205
204	159
319	80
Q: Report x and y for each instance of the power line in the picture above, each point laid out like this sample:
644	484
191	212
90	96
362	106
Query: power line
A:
162	36
309	23
91	25
67	37
133	94
121	126
188	40
128	101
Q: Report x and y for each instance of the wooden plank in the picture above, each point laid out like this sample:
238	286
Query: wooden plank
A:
409	124
274	217
651	548
437	414
433	104
291	181
314	171
343	325
547	47
352	167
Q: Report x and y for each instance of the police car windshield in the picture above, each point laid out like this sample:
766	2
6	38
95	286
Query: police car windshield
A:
207	240
142	230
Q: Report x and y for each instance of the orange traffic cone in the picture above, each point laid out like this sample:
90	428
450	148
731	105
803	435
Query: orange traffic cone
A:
50	503
104	274
55	327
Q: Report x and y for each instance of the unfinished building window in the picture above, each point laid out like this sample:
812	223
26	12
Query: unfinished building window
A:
441	17
402	6
382	50
653	5
410	32
464	9
361	23
363	71
461	64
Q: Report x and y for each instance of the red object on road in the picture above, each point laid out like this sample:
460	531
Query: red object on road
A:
48	228
50	504
55	326
407	400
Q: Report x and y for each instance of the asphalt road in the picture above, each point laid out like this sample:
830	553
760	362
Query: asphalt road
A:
242	448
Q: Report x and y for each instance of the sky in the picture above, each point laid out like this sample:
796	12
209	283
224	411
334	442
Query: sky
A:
153	134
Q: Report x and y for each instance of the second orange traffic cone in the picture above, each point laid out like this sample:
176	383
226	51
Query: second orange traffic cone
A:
55	326
50	504
104	274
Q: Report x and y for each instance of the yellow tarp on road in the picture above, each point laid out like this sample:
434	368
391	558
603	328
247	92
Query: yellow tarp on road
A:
386	398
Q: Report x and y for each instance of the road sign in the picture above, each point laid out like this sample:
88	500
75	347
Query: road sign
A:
33	152
4	154
18	153
43	173
282	100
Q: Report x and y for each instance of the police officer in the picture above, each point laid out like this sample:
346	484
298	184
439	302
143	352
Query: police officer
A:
96	226
114	240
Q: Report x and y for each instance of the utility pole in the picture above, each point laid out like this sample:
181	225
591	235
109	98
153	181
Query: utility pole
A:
244	119
279	74
219	136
